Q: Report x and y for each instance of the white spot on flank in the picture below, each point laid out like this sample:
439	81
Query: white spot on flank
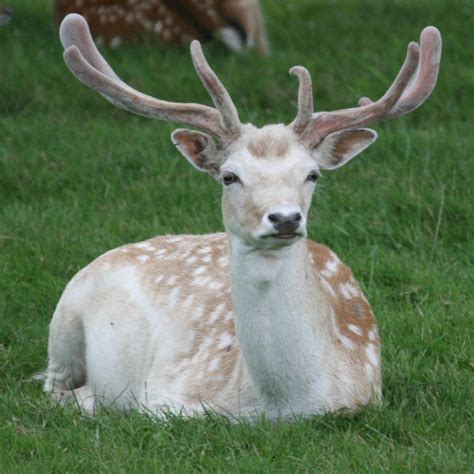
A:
174	297
144	245
331	268
201	281
175	239
213	365
189	301
159	278
172	280
116	41
373	334
328	286
160	252
216	285
372	355
199	270
191	260
355	329
216	313
198	312
143	258
349	290
225	341
207	259
223	261
204	250
346	342
369	370
158	27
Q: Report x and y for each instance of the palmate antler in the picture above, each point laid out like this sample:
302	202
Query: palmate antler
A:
87	64
411	88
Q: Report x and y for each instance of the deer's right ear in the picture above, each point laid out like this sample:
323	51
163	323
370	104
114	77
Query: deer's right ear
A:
199	149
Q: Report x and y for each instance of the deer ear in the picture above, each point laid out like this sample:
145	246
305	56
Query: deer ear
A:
339	148
199	149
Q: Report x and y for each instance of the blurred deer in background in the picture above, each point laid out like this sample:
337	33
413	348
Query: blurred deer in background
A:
6	14
238	23
255	320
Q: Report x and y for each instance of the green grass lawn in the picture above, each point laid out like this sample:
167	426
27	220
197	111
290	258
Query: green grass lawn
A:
78	177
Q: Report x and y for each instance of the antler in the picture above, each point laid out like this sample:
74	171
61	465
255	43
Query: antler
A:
87	64
407	93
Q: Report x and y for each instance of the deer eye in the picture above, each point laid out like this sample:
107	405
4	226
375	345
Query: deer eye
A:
313	176
229	178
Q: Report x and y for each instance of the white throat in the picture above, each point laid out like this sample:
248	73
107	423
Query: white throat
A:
280	317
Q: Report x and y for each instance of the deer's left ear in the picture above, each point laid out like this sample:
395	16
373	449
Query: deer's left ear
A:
199	149
339	148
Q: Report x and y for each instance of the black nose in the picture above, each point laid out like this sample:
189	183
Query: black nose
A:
285	223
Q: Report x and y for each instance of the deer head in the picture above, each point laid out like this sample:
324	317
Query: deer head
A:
268	174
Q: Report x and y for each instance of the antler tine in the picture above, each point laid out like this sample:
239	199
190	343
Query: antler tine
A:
305	98
324	123
74	31
216	89
87	64
404	95
423	84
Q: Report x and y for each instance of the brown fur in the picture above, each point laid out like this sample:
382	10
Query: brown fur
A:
269	146
180	257
175	22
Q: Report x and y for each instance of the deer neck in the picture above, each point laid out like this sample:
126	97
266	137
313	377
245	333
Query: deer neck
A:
281	321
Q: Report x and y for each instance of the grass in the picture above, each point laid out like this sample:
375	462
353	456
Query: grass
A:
78	177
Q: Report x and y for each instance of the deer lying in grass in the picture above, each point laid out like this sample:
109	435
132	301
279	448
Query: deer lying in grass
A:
255	320
6	14
238	23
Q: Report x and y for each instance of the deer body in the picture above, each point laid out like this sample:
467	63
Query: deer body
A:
237	23
257	320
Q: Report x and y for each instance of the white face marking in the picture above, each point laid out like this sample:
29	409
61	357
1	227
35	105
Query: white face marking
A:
355	329
372	355
273	169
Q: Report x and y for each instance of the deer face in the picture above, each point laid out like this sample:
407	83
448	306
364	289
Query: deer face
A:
268	177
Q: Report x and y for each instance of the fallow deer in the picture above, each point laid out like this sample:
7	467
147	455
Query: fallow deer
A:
258	319
6	14
238	23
